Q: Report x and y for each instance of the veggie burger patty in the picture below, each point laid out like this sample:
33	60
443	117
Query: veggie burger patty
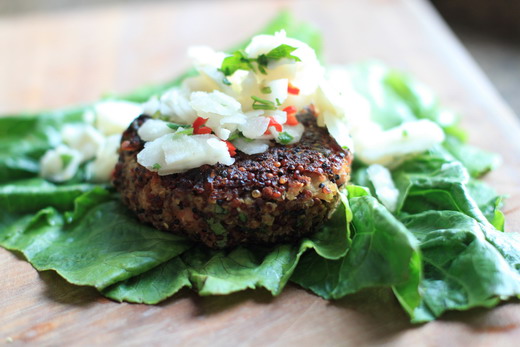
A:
276	196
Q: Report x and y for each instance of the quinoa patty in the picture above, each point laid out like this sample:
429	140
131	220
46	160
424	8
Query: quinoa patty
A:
276	196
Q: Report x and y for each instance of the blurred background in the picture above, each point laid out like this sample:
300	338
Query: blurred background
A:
489	29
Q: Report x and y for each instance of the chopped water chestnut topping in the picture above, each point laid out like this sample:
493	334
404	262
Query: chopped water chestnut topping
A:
196	150
249	99
244	97
244	100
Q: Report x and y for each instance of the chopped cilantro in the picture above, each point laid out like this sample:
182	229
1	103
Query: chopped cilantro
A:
226	81
266	90
261	66
240	61
262	104
234	136
187	131
66	159
174	126
156	166
237	135
262	60
405	133
278	103
282	51
285	138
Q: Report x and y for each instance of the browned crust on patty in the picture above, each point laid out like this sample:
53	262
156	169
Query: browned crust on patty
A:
276	196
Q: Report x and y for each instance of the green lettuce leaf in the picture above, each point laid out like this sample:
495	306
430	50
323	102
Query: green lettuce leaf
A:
396	97
105	244
443	249
25	138
381	254
477	161
467	261
212	272
224	272
33	194
462	269
153	286
388	109
488	201
95	234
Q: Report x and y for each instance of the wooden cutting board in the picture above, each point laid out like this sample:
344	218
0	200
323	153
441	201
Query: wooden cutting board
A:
58	59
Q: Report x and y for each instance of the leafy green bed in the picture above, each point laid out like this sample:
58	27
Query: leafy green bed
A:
443	249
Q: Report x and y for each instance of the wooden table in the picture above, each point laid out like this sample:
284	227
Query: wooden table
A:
52	60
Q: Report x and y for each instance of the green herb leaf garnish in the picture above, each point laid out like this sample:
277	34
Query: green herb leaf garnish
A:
285	138
175	126
266	90
226	81
282	51
262	104
66	159
187	131
234	136
240	61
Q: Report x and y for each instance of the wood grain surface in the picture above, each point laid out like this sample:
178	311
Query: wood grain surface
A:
59	59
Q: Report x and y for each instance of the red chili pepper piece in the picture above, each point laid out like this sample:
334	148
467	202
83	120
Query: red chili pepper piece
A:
290	109
291	118
293	90
275	124
201	130
232	149
199	122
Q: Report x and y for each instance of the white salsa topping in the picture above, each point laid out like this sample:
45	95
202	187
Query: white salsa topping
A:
244	101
